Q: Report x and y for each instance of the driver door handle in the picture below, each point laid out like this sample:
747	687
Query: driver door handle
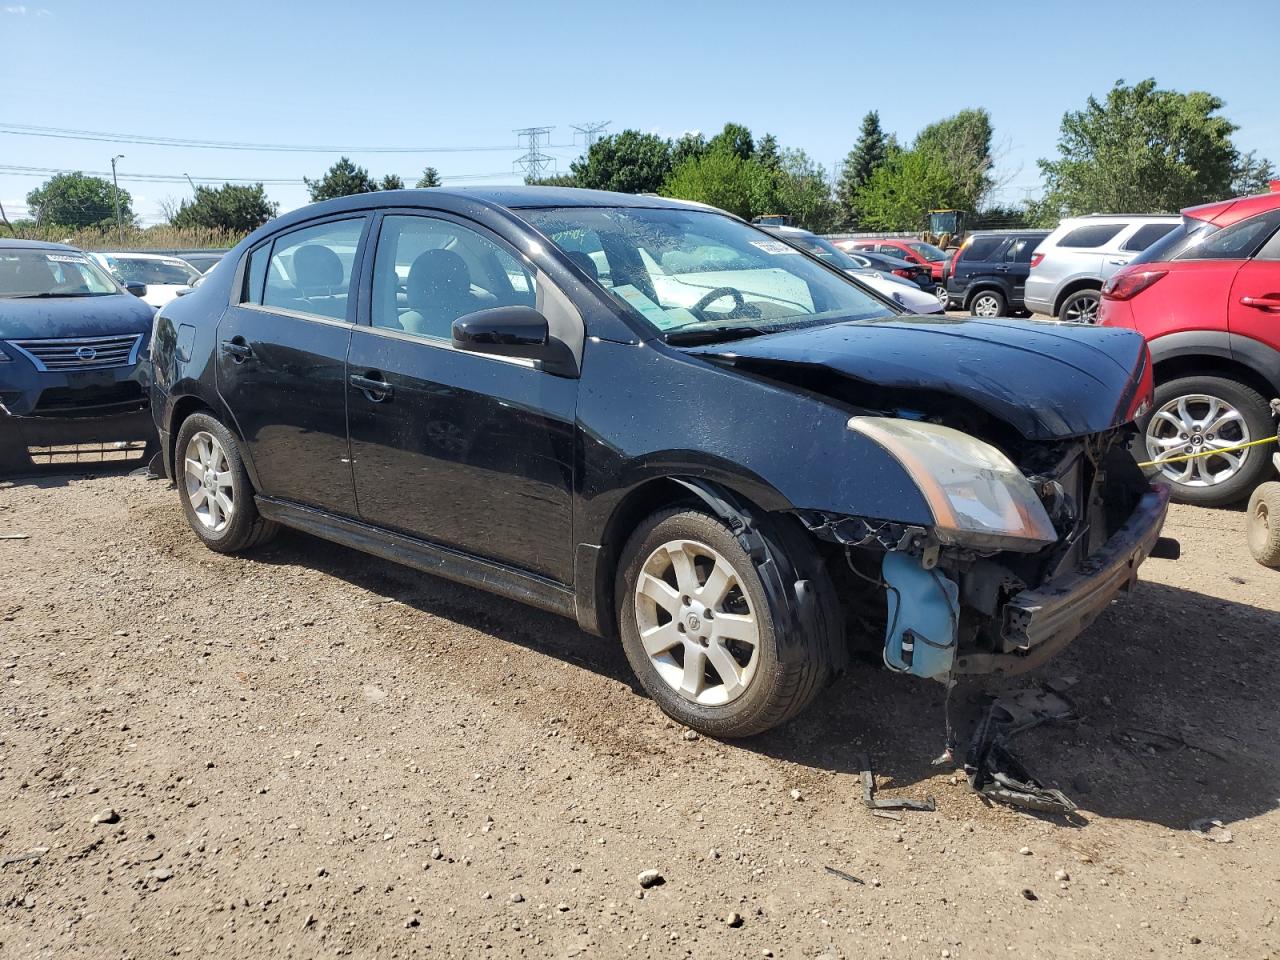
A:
1269	302
375	389
238	350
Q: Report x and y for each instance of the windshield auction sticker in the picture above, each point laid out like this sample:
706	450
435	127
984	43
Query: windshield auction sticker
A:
774	247
63	258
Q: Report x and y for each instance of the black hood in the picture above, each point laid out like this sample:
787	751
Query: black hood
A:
24	318
1045	380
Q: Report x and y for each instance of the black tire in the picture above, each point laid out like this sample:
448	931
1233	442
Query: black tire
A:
781	686
995	297
1081	307
1256	413
246	528
1264	524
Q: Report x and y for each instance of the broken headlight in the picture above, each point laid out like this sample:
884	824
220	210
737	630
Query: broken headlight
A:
978	497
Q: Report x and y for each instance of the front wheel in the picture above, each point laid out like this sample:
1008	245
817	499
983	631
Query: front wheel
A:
1264	524
702	635
1193	439
217	496
987	303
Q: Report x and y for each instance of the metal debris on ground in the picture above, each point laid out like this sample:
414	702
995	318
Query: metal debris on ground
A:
1211	830
994	771
844	876
869	794
15	536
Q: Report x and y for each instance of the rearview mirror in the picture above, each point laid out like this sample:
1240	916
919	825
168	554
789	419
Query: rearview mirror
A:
513	332
137	289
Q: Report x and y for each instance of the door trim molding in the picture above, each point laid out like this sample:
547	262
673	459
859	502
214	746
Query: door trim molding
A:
422	555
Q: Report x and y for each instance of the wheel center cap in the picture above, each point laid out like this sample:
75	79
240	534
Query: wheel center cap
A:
1197	440
693	622
210	481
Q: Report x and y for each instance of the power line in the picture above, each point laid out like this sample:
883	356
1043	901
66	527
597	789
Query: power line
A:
533	162
68	133
184	178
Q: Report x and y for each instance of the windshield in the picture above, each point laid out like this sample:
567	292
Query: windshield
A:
692	270
51	273
166	272
928	251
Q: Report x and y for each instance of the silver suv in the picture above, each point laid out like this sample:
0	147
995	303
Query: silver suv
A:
1070	266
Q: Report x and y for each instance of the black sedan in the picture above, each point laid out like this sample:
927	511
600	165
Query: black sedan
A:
73	370
915	272
666	424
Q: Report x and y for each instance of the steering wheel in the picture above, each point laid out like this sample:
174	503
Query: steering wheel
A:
712	296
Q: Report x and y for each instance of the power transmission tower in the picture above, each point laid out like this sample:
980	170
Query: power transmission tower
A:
590	131
533	162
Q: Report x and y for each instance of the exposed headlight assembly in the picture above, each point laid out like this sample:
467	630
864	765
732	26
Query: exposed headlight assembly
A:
978	497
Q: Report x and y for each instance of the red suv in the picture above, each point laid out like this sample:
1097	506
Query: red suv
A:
1207	298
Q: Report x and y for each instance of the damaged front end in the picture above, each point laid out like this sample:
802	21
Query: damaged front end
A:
1027	548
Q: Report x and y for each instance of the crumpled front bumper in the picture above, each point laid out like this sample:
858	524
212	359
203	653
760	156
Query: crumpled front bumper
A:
1038	623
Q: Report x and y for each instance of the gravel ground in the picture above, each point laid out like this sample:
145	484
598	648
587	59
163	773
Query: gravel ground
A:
314	753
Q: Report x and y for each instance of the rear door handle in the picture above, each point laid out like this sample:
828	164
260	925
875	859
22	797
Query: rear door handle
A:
1118	261
1270	302
375	389
237	349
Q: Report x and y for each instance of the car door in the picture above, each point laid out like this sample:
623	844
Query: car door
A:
281	365
1129	244
1017	266
465	450
1253	308
980	260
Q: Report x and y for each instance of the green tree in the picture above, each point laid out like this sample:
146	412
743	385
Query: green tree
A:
555	180
343	179
801	191
868	153
721	178
78	200
768	153
392	181
1141	150
629	162
963	142
234	207
904	189
1253	174
686	147
430	178
736	138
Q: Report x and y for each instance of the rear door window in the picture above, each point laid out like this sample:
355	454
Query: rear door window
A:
309	270
982	248
1146	235
1091	235
1021	249
1236	242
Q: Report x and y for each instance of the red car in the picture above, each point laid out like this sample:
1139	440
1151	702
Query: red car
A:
1207	298
914	251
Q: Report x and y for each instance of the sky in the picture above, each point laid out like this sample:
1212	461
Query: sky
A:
464	75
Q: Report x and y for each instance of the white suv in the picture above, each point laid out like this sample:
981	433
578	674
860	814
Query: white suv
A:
1070	266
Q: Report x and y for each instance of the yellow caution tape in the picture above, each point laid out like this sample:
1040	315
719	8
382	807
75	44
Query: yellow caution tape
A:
1208	453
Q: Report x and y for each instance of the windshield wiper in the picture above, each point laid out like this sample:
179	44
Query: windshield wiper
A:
692	338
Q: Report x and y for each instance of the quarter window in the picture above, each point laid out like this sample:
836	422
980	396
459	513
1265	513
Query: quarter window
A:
1092	235
1020	250
1236	242
429	272
309	270
1146	235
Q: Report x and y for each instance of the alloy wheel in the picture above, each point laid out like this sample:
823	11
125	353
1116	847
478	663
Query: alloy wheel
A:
940	292
986	305
1197	424
207	478
1083	310
696	624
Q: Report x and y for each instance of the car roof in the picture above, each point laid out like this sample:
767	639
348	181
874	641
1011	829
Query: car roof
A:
1226	212
1009	233
12	244
137	255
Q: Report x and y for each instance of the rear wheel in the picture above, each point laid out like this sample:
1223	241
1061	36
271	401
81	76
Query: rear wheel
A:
702	635
1205	419
217	496
1080	307
1264	524
987	303
940	291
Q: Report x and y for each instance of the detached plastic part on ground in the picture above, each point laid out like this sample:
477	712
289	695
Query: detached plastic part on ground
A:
992	768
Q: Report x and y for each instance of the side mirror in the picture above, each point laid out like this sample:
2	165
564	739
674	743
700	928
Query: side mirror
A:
137	289
513	332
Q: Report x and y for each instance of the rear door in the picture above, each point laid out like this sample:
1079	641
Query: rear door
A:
1253	308
1129	243
281	366
980	261
1017	265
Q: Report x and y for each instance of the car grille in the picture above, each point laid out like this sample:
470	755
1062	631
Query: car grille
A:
81	353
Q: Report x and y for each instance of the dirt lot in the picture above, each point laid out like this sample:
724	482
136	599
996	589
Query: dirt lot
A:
314	753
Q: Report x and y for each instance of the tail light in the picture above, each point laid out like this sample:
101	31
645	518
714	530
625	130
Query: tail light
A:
1036	260
904	273
1126	286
